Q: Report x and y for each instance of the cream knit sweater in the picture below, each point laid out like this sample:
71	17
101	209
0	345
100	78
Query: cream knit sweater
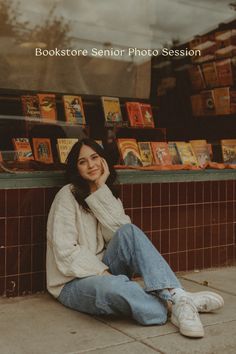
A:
76	240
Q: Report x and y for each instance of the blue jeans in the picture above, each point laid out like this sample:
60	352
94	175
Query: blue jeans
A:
129	252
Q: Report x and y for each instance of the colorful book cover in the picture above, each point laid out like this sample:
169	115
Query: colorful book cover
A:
229	150
129	152
30	106
161	154
64	145
186	153
145	151
74	110
47	104
42	150
23	148
147	115
201	151
134	114
175	158
111	108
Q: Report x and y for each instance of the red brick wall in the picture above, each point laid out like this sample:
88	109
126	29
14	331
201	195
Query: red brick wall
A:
192	224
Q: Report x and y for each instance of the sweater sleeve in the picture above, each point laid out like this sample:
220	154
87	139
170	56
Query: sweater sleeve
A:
108	210
72	259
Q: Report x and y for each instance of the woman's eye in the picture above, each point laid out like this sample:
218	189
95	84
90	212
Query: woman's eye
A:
95	157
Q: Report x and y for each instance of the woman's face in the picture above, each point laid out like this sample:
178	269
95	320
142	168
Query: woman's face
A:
89	164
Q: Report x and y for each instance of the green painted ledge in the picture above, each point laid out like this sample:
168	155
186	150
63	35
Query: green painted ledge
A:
45	179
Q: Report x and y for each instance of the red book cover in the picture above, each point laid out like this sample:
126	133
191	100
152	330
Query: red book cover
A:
42	150
134	114
147	115
161	154
47	104
23	148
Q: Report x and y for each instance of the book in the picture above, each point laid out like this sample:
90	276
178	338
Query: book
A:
47	104
147	115
111	108
175	158
196	77
129	152
186	153
134	114
42	150
145	151
30	106
161	154
74	111
201	151
228	147
64	145
210	74
23	149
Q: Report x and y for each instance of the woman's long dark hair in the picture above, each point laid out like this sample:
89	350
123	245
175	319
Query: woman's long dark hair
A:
80	187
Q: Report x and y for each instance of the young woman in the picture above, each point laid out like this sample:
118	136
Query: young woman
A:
93	250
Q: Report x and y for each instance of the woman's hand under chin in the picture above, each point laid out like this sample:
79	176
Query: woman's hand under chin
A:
103	177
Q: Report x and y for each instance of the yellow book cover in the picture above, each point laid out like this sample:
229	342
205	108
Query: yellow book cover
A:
64	146
201	151
186	153
145	152
129	152
229	150
111	108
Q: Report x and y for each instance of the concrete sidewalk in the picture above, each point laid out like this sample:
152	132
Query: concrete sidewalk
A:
40	325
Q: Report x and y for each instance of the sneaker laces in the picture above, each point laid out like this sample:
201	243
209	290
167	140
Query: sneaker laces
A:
186	309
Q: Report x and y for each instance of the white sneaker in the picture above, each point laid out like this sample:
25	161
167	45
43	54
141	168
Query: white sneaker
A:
185	317
206	301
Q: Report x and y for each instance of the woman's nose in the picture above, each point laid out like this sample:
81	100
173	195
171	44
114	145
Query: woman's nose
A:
90	163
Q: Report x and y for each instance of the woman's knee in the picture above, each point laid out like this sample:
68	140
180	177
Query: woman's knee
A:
128	230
